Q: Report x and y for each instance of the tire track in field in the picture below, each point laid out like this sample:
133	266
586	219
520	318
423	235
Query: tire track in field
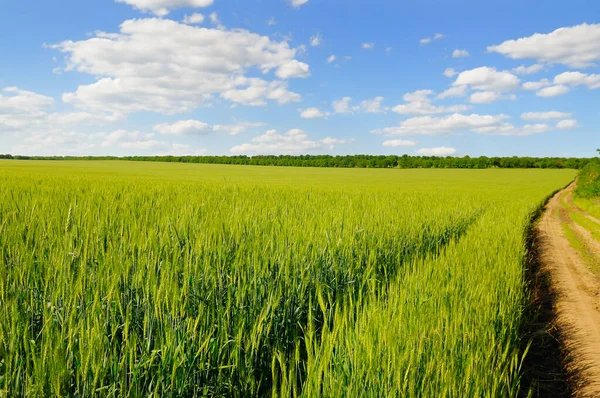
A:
577	292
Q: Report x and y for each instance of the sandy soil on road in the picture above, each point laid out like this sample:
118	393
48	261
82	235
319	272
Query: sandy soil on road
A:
577	292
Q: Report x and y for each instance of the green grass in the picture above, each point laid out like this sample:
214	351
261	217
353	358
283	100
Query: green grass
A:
144	279
591	205
588	182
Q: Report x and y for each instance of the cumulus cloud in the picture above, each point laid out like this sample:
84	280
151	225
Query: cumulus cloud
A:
399	143
458	123
374	105
184	127
578	79
196	127
29	114
124	142
460	53
536	85
456	91
17	101
419	103
433	126
484	97
163	7
331	58
449	72
195	18
528	70
441	151
553	91
488	97
163	66
545	115
312	113
577	46
294	141
487	79
368	46
566	124
342	105
293	69
508	129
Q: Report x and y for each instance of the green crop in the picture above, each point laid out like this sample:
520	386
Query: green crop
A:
143	279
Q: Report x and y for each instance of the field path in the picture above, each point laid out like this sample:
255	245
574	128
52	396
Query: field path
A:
577	292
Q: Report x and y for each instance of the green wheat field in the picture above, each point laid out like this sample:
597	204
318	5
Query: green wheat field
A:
180	280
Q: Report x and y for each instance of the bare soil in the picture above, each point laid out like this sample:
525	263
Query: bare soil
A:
575	290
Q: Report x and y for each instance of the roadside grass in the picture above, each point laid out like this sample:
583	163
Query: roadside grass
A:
589	205
575	240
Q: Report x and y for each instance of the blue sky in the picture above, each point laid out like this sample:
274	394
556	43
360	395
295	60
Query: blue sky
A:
144	77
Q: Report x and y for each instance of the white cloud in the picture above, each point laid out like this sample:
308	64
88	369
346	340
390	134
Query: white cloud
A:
536	85
484	97
566	124
577	46
441	151
22	102
184	127
368	46
508	129
316	40
238	128
294	141
214	19
162	7
488	97
399	143
272	22
460	53
545	115
457	91
149	66
578	79
298	3
457	123
528	70
195	18
487	79
28	114
331	58
428	40
388	50
343	105
553	91
373	105
312	113
419	103
449	72
293	69
433	126
195	127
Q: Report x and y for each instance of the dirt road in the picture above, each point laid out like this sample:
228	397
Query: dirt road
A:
576	289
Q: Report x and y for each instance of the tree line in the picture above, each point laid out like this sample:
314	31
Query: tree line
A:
348	161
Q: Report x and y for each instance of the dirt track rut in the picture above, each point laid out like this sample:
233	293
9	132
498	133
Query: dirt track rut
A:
577	292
